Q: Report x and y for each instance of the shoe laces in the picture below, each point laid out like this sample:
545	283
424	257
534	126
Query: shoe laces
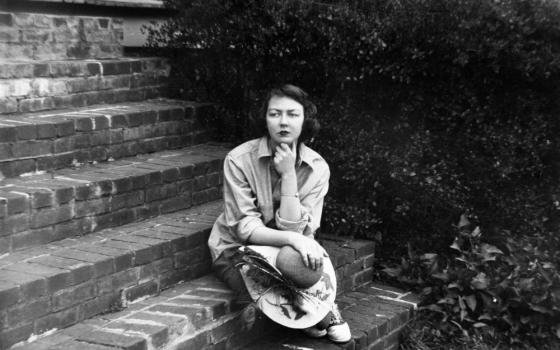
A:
336	317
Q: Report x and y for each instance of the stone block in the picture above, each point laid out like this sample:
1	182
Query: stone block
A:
32	20
27	312
82	84
79	50
30	286
26	132
157	335
6	19
16	202
20	87
57	320
101	265
75	100
108	50
5	152
118	121
115	340
160	192
16	50
38	70
100	304
14	223
41	198
64	35
3	208
58	87
82	123
116	68
60	22
141	290
92	207
73	296
8	105
31	148
30	36
56	279
51	216
70	229
198	341
100	36
133	133
65	128
94	68
80	140
55	162
9	337
9	293
127	200
65	69
40	87
10	35
36	104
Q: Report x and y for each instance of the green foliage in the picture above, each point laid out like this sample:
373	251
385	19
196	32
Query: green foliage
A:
515	290
429	110
232	51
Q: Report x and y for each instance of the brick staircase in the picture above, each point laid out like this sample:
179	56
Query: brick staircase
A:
108	191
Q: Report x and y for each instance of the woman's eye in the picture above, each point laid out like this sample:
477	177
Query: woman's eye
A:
294	115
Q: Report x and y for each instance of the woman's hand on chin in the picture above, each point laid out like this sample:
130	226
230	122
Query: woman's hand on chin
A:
285	159
310	250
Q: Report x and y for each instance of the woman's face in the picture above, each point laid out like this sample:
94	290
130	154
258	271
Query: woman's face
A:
284	120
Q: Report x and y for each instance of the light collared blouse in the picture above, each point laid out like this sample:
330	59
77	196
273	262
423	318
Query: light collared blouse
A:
252	194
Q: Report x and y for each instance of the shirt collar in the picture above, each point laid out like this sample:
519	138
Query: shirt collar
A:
305	154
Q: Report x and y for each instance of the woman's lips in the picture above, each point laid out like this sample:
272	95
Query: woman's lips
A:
284	133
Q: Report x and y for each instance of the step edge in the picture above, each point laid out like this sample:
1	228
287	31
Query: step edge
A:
78	188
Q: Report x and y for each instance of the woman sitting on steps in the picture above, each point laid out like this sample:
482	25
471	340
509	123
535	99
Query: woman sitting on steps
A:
274	188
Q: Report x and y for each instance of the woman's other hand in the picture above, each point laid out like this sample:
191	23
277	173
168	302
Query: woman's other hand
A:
310	250
285	159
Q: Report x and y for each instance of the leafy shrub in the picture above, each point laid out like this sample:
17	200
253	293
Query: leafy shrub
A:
470	86
516	289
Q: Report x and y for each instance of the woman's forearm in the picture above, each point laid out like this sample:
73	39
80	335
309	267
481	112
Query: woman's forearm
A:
268	236
311	252
290	206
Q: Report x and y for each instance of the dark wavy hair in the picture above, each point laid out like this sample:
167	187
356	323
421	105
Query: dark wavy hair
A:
310	126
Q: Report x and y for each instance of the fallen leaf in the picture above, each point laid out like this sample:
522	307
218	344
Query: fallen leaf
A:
471	301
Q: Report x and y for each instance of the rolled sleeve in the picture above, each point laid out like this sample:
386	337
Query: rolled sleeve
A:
287	225
311	207
240	211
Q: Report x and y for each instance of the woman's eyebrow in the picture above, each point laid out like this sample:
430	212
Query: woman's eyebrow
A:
289	110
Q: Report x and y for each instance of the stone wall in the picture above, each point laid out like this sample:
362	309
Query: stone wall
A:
48	37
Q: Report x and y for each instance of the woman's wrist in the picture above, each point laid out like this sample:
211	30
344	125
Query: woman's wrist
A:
293	239
289	174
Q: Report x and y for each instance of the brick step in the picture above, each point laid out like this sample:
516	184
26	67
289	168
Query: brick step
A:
375	313
84	68
152	4
200	314
43	208
30	86
46	141
41	36
58	285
